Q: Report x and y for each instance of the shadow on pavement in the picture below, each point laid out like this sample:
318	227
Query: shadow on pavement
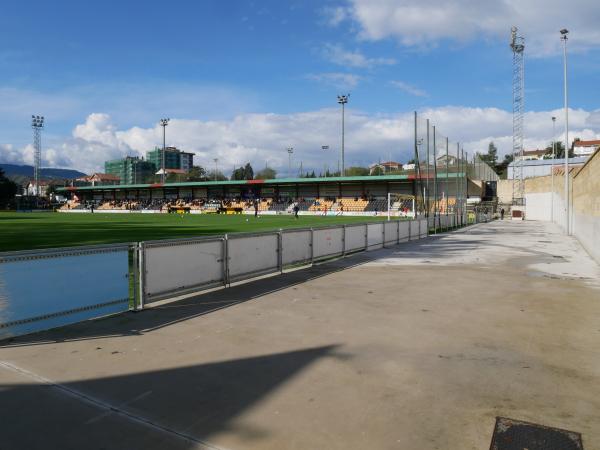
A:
175	408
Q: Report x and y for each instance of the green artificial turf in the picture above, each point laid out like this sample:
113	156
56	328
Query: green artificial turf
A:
25	231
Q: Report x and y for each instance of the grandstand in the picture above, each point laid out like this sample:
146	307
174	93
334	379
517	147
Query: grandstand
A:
365	195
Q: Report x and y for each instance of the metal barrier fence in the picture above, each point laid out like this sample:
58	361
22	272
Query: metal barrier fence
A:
51	288
76	284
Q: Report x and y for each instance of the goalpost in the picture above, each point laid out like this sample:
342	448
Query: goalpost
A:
401	205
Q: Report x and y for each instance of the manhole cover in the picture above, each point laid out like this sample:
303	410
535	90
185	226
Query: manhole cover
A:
512	434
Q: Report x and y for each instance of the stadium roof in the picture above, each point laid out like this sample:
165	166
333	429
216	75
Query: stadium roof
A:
548	162
275	181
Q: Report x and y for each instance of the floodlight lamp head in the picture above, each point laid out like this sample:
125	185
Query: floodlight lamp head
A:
553	119
564	32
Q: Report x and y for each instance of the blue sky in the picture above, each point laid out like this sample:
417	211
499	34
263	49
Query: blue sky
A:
213	61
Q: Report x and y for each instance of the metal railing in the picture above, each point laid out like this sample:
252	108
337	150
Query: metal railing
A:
77	284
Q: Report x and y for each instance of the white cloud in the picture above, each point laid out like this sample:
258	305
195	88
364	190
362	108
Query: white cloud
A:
260	138
337	79
334	15
408	88
427	22
338	55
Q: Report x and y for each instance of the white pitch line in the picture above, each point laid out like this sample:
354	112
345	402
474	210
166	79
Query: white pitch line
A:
107	406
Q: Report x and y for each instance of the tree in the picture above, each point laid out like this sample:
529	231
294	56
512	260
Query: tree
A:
218	175
501	168
266	174
377	170
357	171
243	173
51	189
248	172
8	189
491	157
196	173
560	151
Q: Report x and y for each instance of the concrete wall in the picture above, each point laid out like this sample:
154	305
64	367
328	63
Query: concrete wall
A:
586	205
504	191
545	203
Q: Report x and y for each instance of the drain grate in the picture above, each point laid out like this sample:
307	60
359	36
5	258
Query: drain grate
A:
512	434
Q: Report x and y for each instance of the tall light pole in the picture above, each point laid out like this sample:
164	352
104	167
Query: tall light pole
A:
552	167
419	143
37	124
163	124
290	150
216	160
342	100
325	169
564	32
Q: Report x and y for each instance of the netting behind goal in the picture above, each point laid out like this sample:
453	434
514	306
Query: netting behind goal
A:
402	205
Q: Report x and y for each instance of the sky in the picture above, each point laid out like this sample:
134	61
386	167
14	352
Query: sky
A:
242	81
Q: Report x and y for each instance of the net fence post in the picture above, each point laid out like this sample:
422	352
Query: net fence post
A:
280	250
140	276
225	260
343	240
312	246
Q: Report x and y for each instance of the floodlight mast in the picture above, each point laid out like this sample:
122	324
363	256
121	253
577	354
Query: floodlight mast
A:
342	100
164	123
37	124
517	45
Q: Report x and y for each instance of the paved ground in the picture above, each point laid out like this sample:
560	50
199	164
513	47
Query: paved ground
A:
416	347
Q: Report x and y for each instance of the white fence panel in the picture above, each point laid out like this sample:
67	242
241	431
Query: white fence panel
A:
296	246
355	237
423	231
374	236
251	255
48	289
328	242
538	206
443	221
391	232
182	265
404	231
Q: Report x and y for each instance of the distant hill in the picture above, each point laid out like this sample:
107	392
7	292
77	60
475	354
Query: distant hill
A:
20	174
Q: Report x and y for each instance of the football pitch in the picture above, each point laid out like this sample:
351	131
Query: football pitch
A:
26	231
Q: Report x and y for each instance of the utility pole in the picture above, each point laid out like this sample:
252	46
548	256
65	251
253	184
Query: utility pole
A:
552	167
216	160
163	124
428	193
342	100
564	32
37	124
447	188
456	175
435	192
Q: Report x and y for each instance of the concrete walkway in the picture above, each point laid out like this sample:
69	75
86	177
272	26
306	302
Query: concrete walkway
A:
416	347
